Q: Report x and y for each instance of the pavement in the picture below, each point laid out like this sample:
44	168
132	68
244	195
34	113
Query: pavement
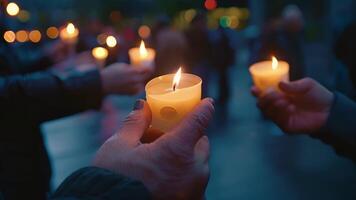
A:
251	158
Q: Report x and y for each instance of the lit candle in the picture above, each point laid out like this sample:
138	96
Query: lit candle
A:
69	34
171	97
100	54
266	75
142	56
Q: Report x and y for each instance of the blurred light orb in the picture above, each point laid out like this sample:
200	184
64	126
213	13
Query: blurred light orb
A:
111	41
101	39
52	32
12	9
9	36
144	31
100	53
210	4
225	21
189	15
35	36
22	36
24	16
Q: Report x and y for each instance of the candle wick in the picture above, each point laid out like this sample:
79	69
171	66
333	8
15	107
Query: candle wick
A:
174	87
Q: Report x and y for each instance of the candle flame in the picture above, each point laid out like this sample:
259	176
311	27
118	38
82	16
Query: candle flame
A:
176	79
111	41
143	50
274	63
70	28
100	53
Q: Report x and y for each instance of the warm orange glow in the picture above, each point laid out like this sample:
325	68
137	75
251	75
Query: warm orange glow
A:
143	50
274	63
70	28
144	31
22	36
111	41
176	79
100	53
9	36
35	36
52	32
12	9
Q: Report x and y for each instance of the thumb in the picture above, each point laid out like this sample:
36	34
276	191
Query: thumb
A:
202	150
136	123
297	87
191	128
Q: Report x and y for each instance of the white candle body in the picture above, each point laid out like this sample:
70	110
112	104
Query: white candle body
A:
266	78
168	107
142	60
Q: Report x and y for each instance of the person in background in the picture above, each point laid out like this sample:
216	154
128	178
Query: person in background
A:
199	50
305	106
283	38
170	46
174	166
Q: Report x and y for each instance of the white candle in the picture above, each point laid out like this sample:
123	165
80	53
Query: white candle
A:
142	56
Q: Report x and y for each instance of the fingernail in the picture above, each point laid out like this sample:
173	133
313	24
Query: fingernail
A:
138	104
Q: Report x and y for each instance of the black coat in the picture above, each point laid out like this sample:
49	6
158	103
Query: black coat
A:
27	100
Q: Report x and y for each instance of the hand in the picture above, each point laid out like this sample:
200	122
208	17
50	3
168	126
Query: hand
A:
304	106
175	166
120	78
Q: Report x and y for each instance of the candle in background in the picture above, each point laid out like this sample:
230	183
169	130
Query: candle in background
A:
111	41
100	54
69	34
171	97
266	75
142	56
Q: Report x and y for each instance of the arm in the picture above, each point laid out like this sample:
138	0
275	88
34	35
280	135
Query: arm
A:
340	128
47	95
97	183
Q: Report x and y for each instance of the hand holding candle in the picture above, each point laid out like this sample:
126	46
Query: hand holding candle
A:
142	56
171	97
69	34
267	74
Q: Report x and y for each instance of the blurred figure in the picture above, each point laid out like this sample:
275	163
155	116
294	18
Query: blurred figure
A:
125	168
223	56
199	49
170	46
345	50
305	106
284	39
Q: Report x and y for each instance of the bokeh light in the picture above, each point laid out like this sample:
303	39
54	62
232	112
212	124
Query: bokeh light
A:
210	4
144	31
35	36
24	16
9	36
22	36
12	9
52	32
111	41
189	15
225	21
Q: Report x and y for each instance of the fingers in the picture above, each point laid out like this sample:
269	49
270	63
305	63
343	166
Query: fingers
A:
297	87
202	150
191	128
269	99
136	123
255	91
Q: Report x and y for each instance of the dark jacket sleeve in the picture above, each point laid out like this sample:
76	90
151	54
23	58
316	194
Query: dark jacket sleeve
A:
340	129
96	183
49	95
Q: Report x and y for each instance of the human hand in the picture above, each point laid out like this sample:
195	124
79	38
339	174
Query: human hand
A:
121	78
175	166
304	106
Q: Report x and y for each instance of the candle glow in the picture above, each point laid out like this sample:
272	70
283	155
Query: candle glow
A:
142	56
69	34
143	50
100	53
176	79
111	41
274	63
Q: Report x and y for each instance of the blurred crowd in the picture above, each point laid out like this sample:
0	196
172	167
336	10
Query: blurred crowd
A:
53	79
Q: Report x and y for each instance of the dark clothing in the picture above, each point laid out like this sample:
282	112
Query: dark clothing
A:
340	129
25	102
96	183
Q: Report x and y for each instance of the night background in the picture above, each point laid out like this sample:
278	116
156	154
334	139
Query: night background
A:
251	158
